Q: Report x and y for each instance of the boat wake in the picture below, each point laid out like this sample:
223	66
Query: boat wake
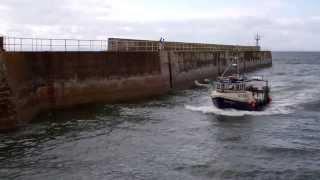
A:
278	106
211	109
286	104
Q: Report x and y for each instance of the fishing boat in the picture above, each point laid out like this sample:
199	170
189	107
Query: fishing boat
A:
240	92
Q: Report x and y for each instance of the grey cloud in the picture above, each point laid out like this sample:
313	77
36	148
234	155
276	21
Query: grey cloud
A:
86	19
63	12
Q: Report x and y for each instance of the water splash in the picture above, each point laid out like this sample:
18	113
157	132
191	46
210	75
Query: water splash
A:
211	109
284	103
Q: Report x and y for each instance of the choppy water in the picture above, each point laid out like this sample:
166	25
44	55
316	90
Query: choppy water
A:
179	136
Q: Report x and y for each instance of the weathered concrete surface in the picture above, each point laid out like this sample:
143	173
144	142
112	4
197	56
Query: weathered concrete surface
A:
48	80
8	115
37	81
190	66
1	44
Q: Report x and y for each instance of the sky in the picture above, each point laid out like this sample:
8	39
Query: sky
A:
285	25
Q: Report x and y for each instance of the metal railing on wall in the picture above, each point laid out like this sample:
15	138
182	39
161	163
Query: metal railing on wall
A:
141	45
42	44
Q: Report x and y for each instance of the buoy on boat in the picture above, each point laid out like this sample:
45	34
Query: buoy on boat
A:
253	104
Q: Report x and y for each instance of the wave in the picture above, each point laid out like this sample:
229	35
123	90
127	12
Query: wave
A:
237	113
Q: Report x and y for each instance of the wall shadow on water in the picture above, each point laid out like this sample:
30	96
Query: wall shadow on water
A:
56	127
233	129
233	119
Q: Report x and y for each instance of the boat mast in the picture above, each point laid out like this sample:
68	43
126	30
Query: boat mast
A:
236	58
227	69
235	64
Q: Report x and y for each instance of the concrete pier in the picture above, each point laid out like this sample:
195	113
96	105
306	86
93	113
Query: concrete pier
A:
32	82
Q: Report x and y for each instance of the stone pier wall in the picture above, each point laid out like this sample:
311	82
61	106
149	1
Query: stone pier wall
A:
49	80
8	114
190	66
32	82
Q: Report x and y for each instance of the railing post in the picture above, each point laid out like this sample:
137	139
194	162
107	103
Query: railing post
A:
41	45
65	45
117	43
1	44
127	46
21	44
50	44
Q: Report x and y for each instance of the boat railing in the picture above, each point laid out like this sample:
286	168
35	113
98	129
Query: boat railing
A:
229	86
257	77
238	86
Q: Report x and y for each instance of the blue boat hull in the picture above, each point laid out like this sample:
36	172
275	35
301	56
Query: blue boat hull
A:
223	103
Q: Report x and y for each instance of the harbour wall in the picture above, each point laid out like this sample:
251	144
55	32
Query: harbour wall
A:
33	82
42	81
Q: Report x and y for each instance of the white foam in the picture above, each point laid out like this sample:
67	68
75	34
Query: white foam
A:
282	104
211	109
